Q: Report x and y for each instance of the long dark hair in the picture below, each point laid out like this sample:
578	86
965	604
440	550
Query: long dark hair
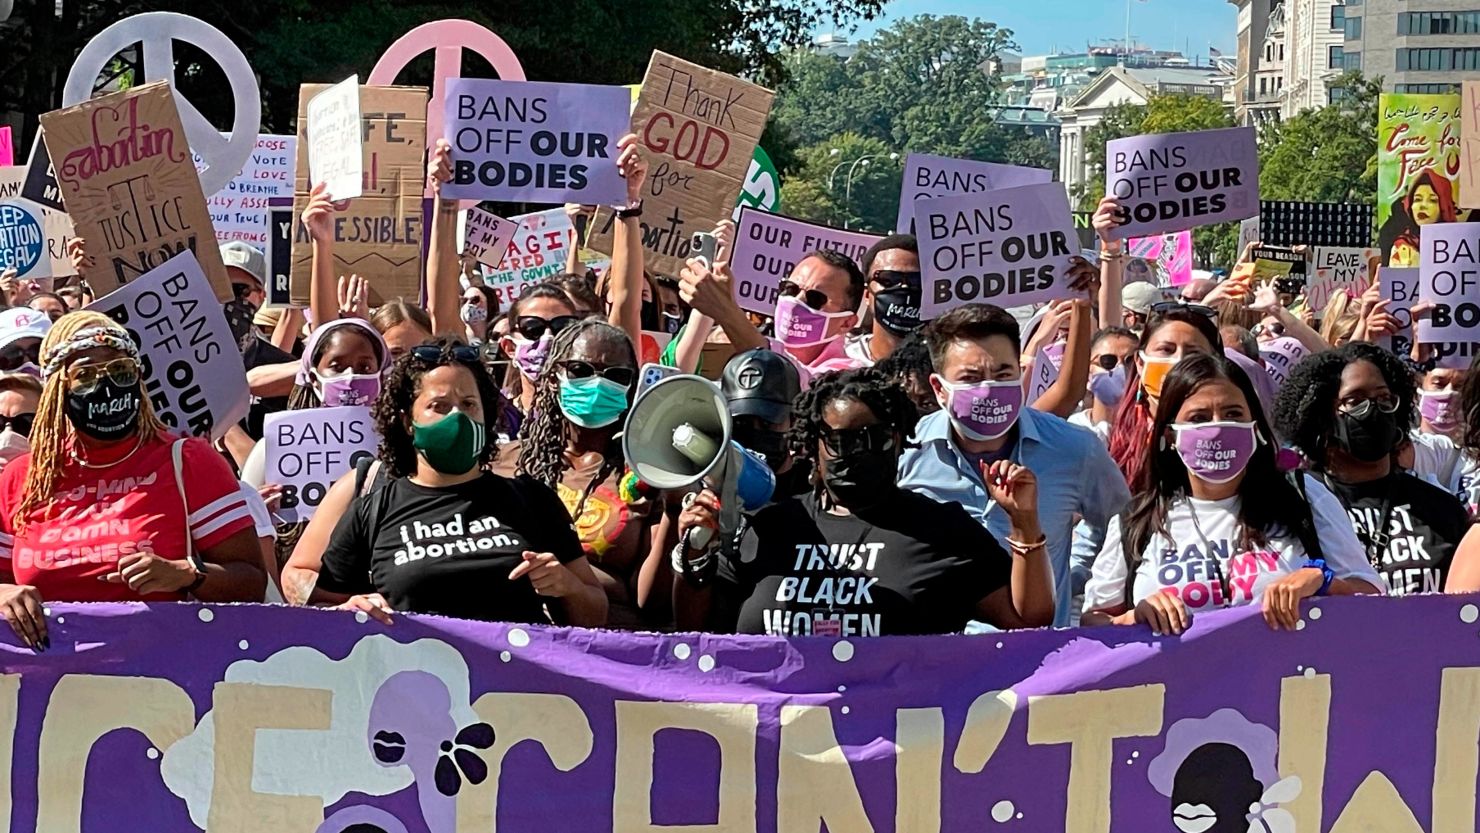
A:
1305	410
392	409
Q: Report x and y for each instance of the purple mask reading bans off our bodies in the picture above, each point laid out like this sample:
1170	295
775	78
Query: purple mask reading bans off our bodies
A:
1440	408
984	410
798	325
530	355
1215	452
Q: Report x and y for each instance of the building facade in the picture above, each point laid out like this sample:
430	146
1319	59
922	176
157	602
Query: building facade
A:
1314	46
1417	46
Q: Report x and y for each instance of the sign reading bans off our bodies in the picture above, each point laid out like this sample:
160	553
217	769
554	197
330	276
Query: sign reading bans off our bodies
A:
941	176
1449	274
191	365
308	450
1176	181
1008	248
768	247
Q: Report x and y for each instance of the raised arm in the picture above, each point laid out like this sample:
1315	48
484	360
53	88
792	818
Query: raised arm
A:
444	293
1064	396
1028	600
1112	264
318	219
625	285
696	331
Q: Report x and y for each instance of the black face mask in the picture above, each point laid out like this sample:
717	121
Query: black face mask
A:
769	444
864	480
898	309
108	412
1368	438
650	317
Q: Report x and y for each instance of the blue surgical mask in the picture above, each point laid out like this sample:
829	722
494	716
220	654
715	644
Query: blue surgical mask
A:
592	402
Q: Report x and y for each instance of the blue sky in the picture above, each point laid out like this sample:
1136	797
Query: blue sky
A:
1041	25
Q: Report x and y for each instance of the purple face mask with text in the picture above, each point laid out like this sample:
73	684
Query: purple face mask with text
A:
1440	408
1215	452
348	388
985	410
798	325
530	355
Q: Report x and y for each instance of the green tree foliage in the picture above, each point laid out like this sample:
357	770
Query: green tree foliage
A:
1328	154
850	181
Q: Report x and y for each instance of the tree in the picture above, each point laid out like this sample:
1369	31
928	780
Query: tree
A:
1328	154
846	181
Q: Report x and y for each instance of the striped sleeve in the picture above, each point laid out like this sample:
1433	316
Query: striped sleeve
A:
213	496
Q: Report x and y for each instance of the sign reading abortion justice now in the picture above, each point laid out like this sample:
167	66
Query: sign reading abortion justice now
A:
325	723
1177	181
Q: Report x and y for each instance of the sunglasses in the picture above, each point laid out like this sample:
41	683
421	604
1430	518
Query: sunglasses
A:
890	279
1164	307
1108	361
20	423
83	378
1274	328
813	298
432	354
577	369
533	327
843	442
14	356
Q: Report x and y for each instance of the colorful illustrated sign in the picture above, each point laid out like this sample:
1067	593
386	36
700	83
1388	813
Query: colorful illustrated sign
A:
1172	254
768	247
239	210
322	722
940	176
1177	181
539	249
136	208
1418	165
1449	279
23	239
487	236
310	449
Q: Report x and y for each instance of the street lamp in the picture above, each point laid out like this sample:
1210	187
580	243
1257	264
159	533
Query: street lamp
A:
848	180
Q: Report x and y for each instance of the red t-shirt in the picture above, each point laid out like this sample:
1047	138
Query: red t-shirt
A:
102	514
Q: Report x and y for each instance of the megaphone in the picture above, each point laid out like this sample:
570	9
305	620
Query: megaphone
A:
678	435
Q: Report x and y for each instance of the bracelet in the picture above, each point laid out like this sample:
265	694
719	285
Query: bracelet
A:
696	572
200	577
1327	574
1020	548
629	211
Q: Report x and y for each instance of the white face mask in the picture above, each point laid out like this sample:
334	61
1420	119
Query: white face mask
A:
12	445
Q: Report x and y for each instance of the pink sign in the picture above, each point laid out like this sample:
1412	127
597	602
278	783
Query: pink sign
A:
1172	254
7	148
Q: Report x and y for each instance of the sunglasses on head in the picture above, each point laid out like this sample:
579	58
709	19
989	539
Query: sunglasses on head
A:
432	354
889	279
14	356
83	378
20	423
1164	307
843	442
533	327
577	369
813	298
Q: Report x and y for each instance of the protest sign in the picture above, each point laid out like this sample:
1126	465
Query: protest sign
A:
239	210
7	147
488	236
1171	254
308	450
23	240
1469	172
379	235
124	169
1177	181
940	176
336	149
1248	232
1338	270
1449	279
1047	365
1399	287
527	141
539	249
1084	228
653	343
56	224
1280	357
279	289
40	185
700	129
768	247
192	367
1288	223
1274	262
1008	247
762	186
1418	164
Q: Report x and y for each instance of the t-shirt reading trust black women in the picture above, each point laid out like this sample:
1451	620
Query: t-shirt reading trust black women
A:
1424	527
913	566
449	551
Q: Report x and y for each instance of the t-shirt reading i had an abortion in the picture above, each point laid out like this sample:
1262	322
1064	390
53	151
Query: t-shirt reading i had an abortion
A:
914	566
1424	527
449	551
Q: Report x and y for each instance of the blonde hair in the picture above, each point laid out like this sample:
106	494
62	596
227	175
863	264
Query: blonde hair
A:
397	312
52	431
1339	319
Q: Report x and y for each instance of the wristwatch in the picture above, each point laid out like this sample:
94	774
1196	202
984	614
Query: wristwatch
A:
199	565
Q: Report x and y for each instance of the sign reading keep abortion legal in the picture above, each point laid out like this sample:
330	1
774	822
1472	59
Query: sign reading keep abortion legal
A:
1177	181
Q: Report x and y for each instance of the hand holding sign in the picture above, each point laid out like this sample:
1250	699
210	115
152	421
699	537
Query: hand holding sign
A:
632	165
1176	181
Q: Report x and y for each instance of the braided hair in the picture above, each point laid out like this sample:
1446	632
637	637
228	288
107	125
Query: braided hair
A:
1305	410
867	385
545	435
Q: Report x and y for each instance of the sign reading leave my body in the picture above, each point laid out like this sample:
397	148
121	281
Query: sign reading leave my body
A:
1008	248
940	176
308	450
527	141
488	236
1337	270
336	152
1449	278
769	246
1177	181
124	169
191	365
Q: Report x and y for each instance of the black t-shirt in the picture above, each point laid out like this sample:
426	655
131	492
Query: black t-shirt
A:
449	551
915	566
257	353
1424	528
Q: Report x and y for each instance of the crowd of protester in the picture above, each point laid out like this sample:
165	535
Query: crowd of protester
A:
919	487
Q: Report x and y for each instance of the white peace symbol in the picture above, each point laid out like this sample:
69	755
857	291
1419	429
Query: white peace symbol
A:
155	32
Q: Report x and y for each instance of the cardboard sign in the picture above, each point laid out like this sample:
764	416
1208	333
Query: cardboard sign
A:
1418	167
1280	357
279	251
1338	270
1273	262
23	240
56	224
539	249
379	235
7	147
336	152
192	366
308	450
1469	172
528	141
1345	225
40	186
1449	278
488	236
239	210
768	247
1177	181
941	176
1008	248
123	165
700	129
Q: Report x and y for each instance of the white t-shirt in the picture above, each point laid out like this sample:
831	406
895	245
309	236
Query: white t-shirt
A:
1099	429
1200	563
1437	459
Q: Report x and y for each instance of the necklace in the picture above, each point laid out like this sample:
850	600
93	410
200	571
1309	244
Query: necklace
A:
77	458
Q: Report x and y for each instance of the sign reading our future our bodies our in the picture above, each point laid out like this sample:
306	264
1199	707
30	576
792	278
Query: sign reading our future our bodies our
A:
308	450
769	246
1009	248
940	176
1449	280
1177	181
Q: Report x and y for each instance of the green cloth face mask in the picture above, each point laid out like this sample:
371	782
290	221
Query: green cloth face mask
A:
452	444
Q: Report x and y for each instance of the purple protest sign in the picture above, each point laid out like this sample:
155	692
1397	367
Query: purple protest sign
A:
308	450
1177	181
941	176
7	147
193	366
529	141
768	246
1399	287
321	722
1280	357
1449	278
1009	247
488	236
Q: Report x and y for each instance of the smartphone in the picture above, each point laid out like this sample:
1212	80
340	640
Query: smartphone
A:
652	374
580	222
704	247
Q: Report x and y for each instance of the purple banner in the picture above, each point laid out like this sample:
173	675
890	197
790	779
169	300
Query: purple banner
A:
1449	278
768	246
1177	181
1008	247
529	141
242	717
941	176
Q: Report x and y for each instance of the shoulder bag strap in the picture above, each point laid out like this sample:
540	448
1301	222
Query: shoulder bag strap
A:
177	461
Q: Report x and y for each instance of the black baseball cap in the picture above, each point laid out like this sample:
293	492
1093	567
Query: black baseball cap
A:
761	383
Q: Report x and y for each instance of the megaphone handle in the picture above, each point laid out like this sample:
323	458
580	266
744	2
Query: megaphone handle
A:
698	537
729	507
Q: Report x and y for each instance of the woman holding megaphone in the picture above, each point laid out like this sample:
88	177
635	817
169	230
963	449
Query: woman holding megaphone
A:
859	556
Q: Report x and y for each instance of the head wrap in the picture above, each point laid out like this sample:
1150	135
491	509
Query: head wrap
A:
305	367
112	336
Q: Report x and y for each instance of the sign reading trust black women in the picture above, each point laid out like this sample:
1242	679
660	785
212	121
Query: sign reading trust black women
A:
1177	181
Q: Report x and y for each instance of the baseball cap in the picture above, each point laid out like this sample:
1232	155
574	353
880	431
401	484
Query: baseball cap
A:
760	383
246	257
19	323
1139	296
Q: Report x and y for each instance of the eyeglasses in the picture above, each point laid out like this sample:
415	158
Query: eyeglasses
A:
1274	328
577	369
432	354
1164	307
84	378
533	327
14	356
1108	361
889	279
20	423
1360	408
813	298
842	442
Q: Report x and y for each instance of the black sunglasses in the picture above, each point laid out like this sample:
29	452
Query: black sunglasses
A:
843	442
1108	361
1164	307
14	356
533	327
1274	328
813	298
432	354
889	279
577	369
20	423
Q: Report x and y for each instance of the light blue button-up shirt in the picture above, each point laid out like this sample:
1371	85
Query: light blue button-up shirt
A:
1076	479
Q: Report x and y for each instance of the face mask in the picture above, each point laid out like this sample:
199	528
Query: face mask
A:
1155	372
107	412
769	444
452	444
798	325
348	388
1108	388
1368	438
30	369
985	410
650	316
1440	409
671	323
1215	452
592	402
471	313
860	481
898	309
530	355
12	445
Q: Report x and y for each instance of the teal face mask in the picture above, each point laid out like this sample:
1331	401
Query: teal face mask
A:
452	444
592	402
